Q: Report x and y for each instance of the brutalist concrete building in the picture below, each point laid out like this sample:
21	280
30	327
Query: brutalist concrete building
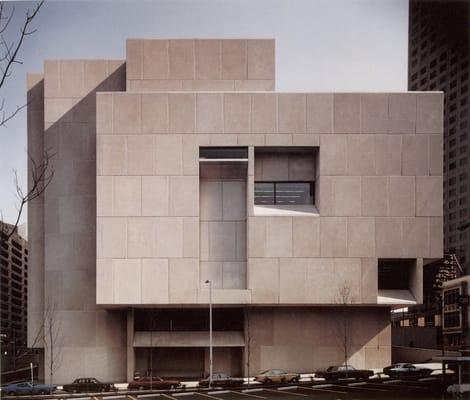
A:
181	165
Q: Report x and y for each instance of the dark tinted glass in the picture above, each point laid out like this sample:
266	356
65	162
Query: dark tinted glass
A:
223	152
293	193
264	193
284	193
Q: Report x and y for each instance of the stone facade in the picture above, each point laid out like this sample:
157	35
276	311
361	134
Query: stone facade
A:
379	194
163	227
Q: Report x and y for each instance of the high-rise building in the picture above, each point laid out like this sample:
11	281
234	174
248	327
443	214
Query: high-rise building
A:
181	175
439	59
14	296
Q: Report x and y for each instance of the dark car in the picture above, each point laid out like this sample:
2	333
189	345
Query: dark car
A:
145	383
221	379
25	388
88	385
337	372
404	370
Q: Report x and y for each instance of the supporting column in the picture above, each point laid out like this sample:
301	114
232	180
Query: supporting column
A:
246	370
416	281
130	345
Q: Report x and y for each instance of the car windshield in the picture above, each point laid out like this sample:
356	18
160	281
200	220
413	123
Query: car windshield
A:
266	372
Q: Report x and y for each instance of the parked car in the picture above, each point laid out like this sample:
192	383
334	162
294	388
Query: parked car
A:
24	388
145	383
336	372
403	370
88	385
277	376
221	379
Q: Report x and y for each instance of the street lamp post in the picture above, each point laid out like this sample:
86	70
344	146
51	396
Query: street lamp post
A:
210	332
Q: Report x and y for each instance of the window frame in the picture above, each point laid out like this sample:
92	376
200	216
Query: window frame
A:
311	194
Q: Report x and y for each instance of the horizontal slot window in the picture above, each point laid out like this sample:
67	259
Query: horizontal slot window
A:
223	152
284	193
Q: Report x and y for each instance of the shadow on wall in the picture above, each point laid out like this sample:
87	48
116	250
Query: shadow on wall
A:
90	340
306	339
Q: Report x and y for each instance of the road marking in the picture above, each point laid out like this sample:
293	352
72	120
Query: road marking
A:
167	396
323	390
140	396
132	397
206	395
287	388
367	389
277	392
251	395
400	386
427	379
220	392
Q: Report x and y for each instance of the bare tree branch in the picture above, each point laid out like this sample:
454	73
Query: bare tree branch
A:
13	50
41	176
344	321
53	339
10	51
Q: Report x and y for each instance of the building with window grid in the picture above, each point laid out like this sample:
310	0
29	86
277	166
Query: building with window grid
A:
14	298
439	59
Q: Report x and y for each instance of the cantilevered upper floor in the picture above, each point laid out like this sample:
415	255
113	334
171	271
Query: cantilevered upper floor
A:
203	172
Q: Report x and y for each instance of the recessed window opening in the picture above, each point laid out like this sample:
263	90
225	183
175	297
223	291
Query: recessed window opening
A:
223	152
394	274
285	176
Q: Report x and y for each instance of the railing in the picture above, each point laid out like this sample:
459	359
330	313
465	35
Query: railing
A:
285	193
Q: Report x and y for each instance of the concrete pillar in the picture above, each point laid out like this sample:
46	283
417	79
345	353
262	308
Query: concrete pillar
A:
416	280
130	345
246	368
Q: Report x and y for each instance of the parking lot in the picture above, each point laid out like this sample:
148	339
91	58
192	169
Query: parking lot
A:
429	388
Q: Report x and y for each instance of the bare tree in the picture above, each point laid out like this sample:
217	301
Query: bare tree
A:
41	175
41	172
53	339
344	321
49	336
10	50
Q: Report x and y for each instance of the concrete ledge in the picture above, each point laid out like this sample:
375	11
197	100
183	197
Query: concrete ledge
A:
188	339
395	297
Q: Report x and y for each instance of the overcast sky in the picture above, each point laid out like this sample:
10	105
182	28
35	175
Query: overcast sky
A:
321	45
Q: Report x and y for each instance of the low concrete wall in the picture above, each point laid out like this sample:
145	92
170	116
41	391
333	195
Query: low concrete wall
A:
424	337
416	354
